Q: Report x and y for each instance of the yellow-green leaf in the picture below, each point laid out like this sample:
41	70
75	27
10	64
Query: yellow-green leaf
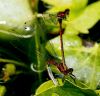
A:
87	19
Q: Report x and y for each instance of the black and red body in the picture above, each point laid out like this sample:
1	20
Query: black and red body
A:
60	67
62	15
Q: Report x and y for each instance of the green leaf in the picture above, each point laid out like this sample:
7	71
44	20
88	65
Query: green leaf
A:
64	4
66	89
87	19
84	60
13	15
70	41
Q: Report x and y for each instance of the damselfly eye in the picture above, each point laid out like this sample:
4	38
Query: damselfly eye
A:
70	69
62	15
67	11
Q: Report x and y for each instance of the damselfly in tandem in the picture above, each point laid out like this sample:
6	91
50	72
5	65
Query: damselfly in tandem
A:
62	67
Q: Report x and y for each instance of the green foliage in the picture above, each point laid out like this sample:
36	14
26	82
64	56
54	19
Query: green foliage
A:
78	56
25	46
86	19
71	4
68	88
81	17
13	18
2	90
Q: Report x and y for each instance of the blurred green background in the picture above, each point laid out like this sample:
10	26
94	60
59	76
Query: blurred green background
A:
28	39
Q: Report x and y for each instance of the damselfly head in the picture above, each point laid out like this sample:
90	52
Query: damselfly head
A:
70	70
62	15
67	11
